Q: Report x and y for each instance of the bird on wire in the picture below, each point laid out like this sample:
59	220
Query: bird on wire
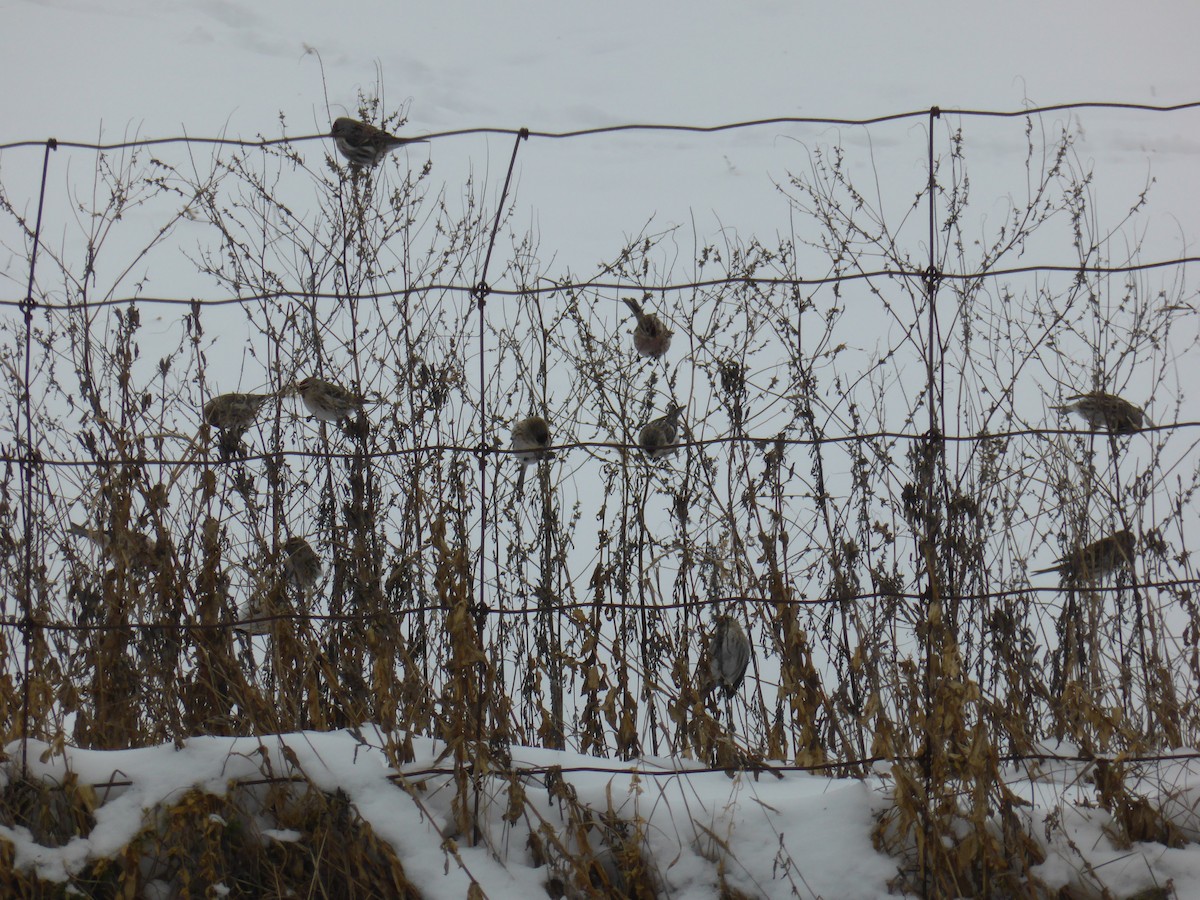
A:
1105	412
301	564
657	438
363	144
728	654
651	337
1095	560
234	412
327	401
254	608
530	443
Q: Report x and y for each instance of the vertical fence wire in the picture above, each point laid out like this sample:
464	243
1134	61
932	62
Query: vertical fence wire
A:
481	291
929	471
28	463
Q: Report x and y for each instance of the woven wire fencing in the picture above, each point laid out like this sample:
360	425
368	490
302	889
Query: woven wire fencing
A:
869	457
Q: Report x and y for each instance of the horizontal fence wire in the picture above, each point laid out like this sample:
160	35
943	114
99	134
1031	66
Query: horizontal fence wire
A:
935	111
763	441
613	287
242	625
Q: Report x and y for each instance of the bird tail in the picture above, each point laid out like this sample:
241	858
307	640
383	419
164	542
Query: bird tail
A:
633	305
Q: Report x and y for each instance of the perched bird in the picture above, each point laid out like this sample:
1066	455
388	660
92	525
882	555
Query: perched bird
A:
132	548
363	144
728	654
326	401
257	607
1105	412
1095	560
657	438
531	441
234	412
650	337
301	564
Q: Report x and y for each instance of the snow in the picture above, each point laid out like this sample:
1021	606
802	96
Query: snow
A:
781	834
776	835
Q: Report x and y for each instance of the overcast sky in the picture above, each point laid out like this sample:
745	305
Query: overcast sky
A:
552	65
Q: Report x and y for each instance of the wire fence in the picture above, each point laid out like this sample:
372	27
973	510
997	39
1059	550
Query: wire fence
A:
411	630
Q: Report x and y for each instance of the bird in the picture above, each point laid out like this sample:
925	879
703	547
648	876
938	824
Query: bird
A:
301	564
132	548
363	144
728	654
657	438
651	337
530	443
1095	560
326	401
234	412
1105	412
257	607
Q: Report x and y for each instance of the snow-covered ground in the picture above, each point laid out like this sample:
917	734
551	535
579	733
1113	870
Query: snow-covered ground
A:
787	834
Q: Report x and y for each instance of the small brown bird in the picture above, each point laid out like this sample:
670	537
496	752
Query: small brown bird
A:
234	412
657	438
531	442
728	654
363	144
1105	412
301	564
1095	560
131	548
326	401
651	337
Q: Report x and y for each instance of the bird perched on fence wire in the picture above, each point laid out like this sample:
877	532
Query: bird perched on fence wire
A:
657	438
327	401
651	337
531	442
234	412
363	144
1095	560
301	564
728	654
1105	412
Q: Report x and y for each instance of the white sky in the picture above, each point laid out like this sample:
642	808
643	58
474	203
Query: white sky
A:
552	65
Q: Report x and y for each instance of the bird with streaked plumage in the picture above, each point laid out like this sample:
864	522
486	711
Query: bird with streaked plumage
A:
1105	412
657	438
651	337
364	145
234	412
327	401
1095	560
301	564
131	548
728	654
